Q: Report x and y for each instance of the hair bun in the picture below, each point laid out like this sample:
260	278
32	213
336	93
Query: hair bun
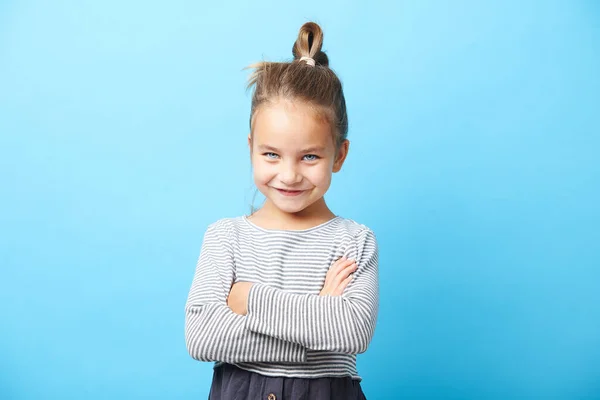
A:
309	43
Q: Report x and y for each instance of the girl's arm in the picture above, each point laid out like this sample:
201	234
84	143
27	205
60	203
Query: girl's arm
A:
212	331
343	323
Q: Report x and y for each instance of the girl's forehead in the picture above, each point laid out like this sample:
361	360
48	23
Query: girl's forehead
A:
282	125
296	140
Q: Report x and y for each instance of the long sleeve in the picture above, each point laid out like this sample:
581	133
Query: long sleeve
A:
343	324
212	331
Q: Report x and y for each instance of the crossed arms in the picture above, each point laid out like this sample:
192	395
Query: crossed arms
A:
280	326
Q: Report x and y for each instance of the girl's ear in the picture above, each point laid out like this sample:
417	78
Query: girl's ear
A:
341	156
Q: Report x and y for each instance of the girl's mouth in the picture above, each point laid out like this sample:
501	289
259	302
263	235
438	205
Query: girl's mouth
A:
290	192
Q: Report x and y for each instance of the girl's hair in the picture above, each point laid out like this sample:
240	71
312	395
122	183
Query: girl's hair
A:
318	86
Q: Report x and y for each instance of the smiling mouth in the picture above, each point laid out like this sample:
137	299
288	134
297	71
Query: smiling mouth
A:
289	192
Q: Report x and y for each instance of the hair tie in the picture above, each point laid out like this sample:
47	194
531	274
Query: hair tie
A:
309	60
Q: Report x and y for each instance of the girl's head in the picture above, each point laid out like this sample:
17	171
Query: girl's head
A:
298	125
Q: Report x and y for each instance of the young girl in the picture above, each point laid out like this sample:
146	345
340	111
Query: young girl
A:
284	298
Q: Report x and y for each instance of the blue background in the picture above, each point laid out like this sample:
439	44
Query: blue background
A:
475	139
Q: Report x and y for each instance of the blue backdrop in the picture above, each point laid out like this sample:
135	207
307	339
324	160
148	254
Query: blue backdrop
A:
475	138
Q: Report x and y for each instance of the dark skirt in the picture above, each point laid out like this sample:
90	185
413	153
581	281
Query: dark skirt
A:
233	383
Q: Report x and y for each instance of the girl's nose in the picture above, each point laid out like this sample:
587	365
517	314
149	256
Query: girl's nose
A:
290	176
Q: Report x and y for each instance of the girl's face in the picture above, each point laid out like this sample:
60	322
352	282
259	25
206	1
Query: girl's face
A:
291	150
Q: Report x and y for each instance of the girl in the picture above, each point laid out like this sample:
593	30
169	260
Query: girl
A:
284	298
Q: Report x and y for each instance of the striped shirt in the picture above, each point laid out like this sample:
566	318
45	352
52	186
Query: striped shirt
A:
289	330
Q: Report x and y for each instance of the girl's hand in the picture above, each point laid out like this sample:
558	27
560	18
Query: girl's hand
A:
238	297
338	277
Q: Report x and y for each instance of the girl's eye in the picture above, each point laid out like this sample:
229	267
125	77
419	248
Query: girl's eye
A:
314	157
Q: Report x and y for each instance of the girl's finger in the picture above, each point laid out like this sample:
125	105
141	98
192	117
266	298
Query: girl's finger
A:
340	289
345	272
334	266
338	268
338	262
336	274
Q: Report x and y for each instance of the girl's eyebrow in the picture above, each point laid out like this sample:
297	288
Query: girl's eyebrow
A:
314	149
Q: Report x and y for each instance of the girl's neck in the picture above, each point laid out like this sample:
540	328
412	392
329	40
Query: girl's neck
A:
270	217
